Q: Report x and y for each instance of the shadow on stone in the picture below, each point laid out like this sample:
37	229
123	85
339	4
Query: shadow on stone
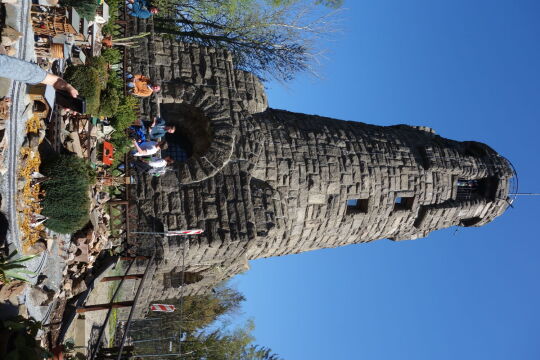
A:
4	228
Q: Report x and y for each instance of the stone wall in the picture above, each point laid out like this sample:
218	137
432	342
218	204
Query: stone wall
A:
274	183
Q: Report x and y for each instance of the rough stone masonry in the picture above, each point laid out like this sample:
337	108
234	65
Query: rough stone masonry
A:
263	182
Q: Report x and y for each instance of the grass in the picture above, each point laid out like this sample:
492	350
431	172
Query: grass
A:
113	319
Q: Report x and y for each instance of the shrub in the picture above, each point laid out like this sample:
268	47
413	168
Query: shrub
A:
115	81
112	56
90	80
66	201
125	116
13	269
110	27
126	113
109	102
100	64
86	8
86	80
18	339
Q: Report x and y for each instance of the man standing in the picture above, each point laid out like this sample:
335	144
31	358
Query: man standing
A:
159	128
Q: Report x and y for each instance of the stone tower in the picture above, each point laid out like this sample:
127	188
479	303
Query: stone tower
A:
263	182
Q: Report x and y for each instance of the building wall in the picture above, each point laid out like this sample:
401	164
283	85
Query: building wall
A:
273	183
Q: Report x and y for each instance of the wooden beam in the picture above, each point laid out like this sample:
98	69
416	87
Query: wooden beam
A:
126	277
118	202
131	258
113	305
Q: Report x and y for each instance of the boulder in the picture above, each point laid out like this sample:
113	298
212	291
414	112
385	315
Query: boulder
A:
38	247
41	296
78	287
10	36
23	311
82	253
11	291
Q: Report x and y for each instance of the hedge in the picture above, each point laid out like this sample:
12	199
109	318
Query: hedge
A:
66	201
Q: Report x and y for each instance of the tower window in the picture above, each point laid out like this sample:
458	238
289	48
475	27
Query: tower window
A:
403	203
466	189
485	188
470	222
357	206
177	279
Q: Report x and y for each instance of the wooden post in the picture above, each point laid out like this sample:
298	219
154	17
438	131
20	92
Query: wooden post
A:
131	258
113	305
126	277
118	202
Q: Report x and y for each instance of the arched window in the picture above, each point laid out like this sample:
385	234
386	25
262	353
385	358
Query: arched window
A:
192	136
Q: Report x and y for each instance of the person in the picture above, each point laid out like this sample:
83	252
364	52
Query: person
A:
24	71
154	164
141	85
137	132
147	148
141	9
159	128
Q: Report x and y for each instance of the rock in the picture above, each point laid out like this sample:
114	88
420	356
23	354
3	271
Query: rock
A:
11	291
102	197
41	278
23	311
79	286
82	253
41	296
38	247
20	186
31	141
10	36
11	51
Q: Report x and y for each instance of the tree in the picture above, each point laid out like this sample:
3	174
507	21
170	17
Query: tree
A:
227	345
273	38
199	311
201	322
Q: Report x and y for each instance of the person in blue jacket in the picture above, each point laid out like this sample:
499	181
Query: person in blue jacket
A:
141	8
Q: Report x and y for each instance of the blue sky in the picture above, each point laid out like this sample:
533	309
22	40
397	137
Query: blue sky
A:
470	70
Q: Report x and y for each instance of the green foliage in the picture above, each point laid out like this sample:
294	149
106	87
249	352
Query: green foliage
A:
86	8
112	56
114	7
202	322
86	80
17	340
125	116
223	344
109	101
270	38
100	64
115	81
100	86
13	269
200	311
66	200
